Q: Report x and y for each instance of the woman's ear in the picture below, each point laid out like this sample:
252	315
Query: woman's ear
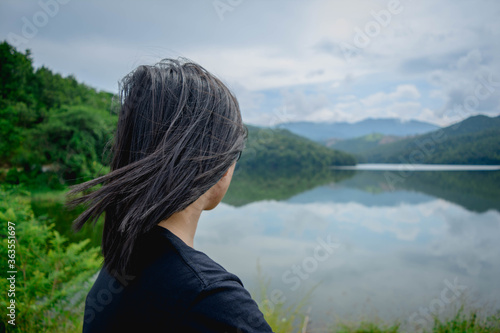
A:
231	168
217	192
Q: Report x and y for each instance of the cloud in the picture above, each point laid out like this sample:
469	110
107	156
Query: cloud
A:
470	86
299	102
470	61
406	91
430	53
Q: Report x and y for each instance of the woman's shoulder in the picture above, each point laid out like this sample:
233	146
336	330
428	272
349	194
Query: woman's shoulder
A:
178	261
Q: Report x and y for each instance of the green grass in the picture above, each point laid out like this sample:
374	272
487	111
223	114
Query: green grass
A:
468	323
461	322
284	317
366	327
279	314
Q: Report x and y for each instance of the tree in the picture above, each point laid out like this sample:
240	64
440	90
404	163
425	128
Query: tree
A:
16	75
71	140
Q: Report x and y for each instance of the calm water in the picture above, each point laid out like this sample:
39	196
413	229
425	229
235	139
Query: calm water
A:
394	251
373	244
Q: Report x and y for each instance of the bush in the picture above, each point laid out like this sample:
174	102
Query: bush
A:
52	277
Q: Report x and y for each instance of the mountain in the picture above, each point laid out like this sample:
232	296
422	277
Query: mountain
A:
475	140
362	144
343	130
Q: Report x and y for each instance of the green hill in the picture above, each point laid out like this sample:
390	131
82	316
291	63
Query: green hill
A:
49	123
475	140
279	151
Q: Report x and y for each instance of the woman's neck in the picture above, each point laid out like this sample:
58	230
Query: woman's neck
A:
183	224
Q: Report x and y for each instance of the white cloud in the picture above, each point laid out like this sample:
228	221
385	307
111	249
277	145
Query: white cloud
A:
260	45
406	91
470	61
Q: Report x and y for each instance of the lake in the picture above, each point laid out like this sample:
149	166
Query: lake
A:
387	244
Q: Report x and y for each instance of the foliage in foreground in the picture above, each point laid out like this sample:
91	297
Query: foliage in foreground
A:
366	327
52	276
470	323
461	322
282	316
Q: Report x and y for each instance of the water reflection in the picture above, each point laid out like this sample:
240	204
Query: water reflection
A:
477	191
398	249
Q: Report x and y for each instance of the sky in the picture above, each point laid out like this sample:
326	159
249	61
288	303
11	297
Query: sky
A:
285	60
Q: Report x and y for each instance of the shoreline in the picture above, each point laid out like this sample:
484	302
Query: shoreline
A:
416	167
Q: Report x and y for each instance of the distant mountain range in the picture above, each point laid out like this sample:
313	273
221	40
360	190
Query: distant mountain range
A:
475	140
390	126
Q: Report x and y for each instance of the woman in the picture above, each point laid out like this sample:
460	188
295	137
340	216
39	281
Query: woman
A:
178	138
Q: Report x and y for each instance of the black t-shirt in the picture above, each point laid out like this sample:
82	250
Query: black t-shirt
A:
175	289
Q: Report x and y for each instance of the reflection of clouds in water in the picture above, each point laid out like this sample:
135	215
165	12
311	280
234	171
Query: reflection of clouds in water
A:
399	221
302	220
473	243
299	219
397	256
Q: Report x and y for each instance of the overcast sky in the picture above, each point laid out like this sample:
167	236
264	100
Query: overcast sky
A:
286	60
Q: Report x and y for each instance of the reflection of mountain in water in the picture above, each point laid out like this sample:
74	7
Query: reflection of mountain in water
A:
249	187
476	191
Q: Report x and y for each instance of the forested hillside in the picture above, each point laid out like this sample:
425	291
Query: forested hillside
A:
475	140
272	151
49	123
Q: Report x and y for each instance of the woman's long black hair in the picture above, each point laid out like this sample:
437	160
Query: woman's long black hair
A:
179	130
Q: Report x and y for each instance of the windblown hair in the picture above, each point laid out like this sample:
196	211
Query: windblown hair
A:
179	130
